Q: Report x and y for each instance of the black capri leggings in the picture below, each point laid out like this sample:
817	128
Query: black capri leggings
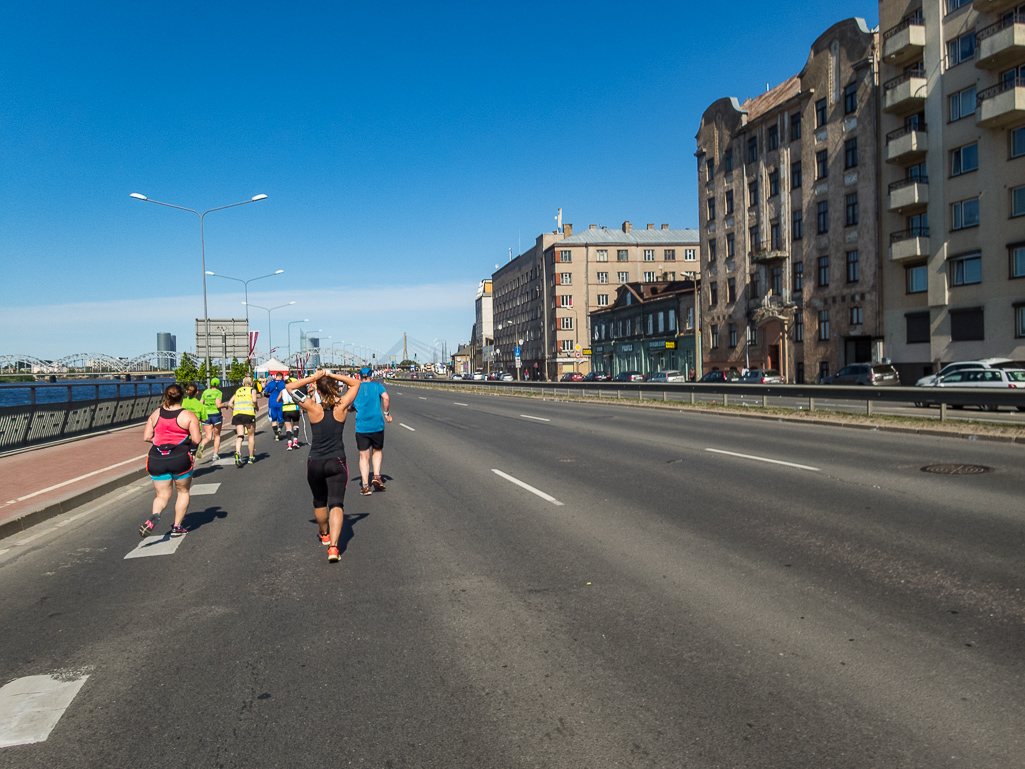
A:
328	479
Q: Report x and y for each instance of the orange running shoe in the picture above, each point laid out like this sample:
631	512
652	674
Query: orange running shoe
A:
325	538
332	554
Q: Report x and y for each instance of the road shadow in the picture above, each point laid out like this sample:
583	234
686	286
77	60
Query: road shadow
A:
347	534
199	473
199	518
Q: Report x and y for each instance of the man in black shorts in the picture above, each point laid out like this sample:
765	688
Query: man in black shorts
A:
371	405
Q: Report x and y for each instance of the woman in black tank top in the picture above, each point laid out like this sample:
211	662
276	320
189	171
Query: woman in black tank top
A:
326	471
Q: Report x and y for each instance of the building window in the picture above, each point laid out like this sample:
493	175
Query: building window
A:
775	236
727	161
1019	321
602	255
565	278
798	277
603	277
756	238
733	334
752	150
715	336
622	255
773	137
823	271
777	281
823	217
820	113
964	214
1017	261
752	335
670	276
566	345
729	202
731	289
661	322
1018	201
822	164
565	256
799	327
967	325
851	209
773	182
850	98
756	285
689	255
712	250
714	294
669	254
649	254
603	300
917	279
964	159
649	277
565	300
966	270
798	225
917	327
567	324
962	104
953	5
850	153
823	325
1018	142
795	175
709	169
799	376
960	49
672	318
730	245
795	126
823	369
853	267
856	316
752	190
650	325
622	277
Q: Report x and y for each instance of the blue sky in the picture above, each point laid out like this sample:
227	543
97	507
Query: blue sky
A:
405	147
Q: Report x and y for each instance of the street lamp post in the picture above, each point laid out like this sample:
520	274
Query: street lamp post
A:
202	252
245	283
270	334
290	324
698	373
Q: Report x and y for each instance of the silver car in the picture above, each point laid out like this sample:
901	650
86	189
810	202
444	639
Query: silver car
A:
668	376
960	365
982	377
761	376
877	374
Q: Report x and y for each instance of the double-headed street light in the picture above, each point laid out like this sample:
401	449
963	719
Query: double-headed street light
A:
202	252
290	324
270	335
245	283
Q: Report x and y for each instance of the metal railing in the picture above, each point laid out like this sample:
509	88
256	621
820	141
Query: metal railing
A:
902	183
911	73
914	20
1008	85
909	234
1008	21
904	131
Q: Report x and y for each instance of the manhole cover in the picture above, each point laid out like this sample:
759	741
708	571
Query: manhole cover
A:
956	469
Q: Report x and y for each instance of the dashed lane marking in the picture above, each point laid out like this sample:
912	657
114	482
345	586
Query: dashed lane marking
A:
31	707
79	478
422	398
764	459
204	489
539	419
528	487
407	427
165	545
460	404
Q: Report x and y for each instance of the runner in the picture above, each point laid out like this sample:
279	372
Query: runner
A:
243	417
173	431
273	390
371	414
326	471
291	416
211	398
196	406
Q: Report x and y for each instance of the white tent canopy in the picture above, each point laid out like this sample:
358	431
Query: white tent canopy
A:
271	366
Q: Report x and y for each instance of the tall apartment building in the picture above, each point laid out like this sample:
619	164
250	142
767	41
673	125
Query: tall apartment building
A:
953	181
787	184
483	336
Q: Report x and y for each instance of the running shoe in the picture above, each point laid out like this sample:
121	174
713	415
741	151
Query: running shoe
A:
215	458
177	531
366	491
147	528
324	538
199	453
378	483
238	459
290	445
333	555
252	460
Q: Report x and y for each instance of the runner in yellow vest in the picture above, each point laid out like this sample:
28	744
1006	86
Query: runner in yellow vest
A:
243	416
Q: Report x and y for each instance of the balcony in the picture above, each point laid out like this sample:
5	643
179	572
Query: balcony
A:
906	145
909	244
1001	45
765	254
994	6
905	42
1002	105
909	194
905	93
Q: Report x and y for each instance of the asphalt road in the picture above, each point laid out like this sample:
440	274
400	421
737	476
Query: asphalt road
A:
648	601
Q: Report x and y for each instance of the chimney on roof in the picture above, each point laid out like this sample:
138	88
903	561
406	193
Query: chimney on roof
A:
665	226
593	227
627	227
651	226
567	230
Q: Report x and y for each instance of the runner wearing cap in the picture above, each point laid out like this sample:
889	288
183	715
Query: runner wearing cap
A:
243	416
273	390
211	398
371	405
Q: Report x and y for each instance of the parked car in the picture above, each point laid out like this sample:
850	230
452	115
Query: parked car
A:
980	377
506	377
761	376
950	368
728	376
668	376
597	376
629	376
572	376
478	375
877	374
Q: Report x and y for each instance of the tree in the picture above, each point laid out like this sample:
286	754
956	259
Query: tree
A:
239	371
202	374
187	371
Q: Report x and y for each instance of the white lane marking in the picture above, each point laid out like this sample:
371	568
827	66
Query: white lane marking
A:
459	404
204	489
528	487
30	707
165	545
228	460
539	419
764	459
79	478
422	398
407	427
5	550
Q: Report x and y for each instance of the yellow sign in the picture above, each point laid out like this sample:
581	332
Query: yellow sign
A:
670	345
587	351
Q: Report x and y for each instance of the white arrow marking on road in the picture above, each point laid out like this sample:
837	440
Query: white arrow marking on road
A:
165	545
30	707
539	419
407	427
528	487
204	489
764	459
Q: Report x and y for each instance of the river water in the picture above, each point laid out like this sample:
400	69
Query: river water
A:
19	393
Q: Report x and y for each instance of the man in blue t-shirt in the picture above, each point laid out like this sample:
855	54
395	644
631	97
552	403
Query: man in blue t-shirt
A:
272	390
371	406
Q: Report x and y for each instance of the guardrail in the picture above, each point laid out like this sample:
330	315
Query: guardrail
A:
34	423
811	396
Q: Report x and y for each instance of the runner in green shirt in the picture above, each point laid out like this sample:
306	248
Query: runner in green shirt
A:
211	398
191	403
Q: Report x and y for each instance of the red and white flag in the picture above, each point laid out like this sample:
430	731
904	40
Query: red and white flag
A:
252	342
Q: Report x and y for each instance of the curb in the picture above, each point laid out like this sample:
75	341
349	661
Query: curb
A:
53	509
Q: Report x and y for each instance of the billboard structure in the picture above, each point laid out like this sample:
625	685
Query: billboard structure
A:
229	338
